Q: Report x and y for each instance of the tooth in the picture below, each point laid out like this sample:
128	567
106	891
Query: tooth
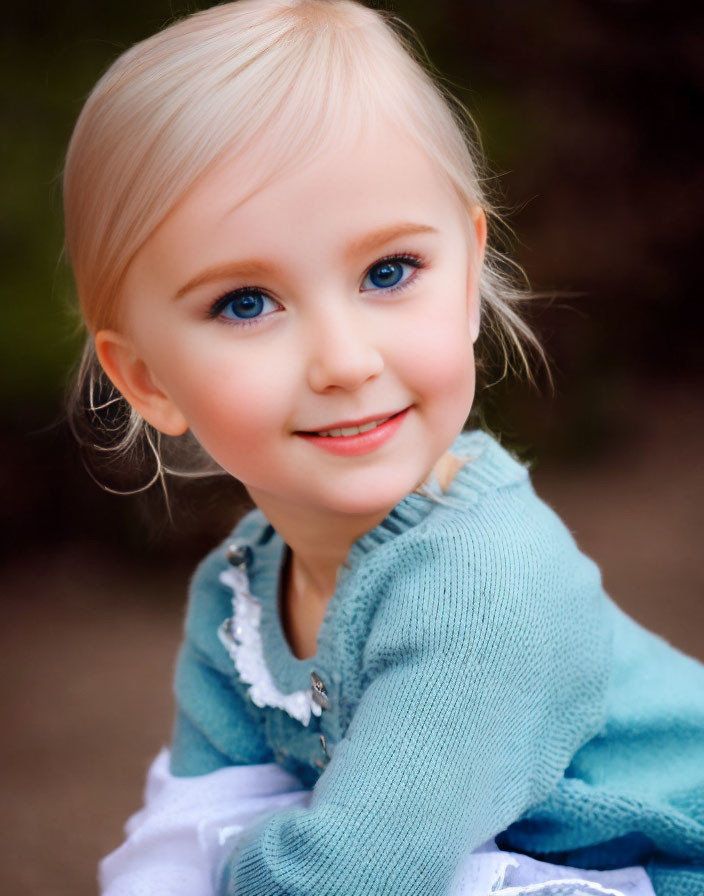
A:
367	426
352	430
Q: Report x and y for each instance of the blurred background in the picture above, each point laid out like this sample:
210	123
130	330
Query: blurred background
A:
591	114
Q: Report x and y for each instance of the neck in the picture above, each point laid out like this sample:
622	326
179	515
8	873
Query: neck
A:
319	541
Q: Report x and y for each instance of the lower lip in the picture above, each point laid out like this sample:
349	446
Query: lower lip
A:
362	443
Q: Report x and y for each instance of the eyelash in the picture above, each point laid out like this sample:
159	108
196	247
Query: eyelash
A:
414	261
224	300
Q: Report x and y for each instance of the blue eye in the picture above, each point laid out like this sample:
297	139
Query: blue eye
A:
390	272
244	305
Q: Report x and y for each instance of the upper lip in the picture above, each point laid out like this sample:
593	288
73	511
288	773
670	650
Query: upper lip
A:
344	424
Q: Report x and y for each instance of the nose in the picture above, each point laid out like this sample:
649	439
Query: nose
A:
342	353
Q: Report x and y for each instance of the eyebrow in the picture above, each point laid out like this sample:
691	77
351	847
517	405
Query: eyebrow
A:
255	268
386	235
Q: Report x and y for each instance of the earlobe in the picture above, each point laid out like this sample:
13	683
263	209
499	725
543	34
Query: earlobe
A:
133	379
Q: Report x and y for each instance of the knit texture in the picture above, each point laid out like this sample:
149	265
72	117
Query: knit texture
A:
479	681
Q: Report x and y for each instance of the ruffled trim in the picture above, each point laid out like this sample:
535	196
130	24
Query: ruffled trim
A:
241	637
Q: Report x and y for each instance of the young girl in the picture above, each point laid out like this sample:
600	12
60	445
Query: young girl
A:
278	236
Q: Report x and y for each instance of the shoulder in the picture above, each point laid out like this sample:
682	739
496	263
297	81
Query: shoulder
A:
491	590
491	516
511	534
493	563
491	535
492	500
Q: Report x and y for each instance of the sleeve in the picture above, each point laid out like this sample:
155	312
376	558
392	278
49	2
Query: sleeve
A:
484	671
635	794
673	878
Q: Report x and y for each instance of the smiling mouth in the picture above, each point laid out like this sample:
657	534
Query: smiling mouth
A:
352	429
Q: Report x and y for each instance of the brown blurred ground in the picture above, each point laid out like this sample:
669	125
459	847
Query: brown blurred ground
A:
88	643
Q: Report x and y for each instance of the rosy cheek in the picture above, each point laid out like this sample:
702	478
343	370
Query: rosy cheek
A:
444	360
234	410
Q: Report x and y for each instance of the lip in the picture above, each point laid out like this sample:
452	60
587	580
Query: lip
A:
363	442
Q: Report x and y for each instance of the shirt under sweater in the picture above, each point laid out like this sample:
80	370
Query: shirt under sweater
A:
476	682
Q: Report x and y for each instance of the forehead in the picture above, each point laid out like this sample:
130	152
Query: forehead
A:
358	179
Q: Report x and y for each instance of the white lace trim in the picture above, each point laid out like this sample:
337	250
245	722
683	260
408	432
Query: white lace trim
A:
488	870
243	641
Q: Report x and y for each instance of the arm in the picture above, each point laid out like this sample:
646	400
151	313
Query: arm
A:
484	674
635	794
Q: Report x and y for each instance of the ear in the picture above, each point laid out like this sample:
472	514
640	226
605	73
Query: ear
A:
477	221
133	378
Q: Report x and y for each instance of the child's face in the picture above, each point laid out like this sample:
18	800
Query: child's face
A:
260	320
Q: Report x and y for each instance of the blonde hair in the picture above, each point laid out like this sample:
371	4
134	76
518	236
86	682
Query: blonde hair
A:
284	75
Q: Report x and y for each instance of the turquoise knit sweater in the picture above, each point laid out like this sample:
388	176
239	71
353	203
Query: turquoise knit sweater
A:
479	684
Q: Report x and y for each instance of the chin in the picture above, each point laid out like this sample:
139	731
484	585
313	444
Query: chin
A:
370	500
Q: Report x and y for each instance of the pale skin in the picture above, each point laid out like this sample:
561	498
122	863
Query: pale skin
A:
327	340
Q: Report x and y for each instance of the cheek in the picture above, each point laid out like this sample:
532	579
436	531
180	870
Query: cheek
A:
450	388
439	361
234	406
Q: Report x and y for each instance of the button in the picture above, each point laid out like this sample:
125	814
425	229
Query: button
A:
239	555
227	631
320	698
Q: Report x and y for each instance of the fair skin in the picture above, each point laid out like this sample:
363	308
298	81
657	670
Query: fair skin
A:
342	291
